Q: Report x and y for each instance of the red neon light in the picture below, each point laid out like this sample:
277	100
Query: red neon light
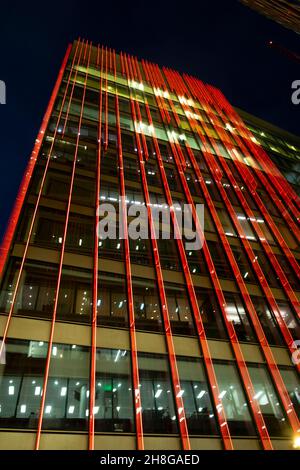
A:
95	267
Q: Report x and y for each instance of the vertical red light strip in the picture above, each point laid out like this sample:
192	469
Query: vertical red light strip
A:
212	381
71	94
50	342
162	295
132	332
96	265
106	101
138	70
14	217
36	150
122	63
157	92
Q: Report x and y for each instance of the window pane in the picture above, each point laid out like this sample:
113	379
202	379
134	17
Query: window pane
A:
236	313
292	383
156	395
21	382
75	295
112	300
197	403
268	321
179	310
210	314
146	305
234	400
36	291
67	395
268	401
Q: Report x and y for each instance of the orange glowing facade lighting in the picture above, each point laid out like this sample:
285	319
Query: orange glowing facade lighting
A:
143	343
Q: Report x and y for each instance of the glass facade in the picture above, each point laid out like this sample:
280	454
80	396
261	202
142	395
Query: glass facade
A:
106	336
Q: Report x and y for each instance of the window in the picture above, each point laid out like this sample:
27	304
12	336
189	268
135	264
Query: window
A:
226	222
219	258
246	227
243	263
291	380
234	400
35	297
179	310
267	268
290	319
75	295
236	313
67	394
21	382
268	321
210	314
112	300
156	395
197	403
114	395
285	265
268	401
168	254
146	305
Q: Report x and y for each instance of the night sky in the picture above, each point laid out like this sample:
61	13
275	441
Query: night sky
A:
220	41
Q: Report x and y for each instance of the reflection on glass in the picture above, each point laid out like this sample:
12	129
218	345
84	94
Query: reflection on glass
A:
268	321
292	383
156	395
236	314
146	305
67	395
210	314
75	295
268	401
114	396
112	300
289	319
179	310
21	383
197	403
36	292
234	400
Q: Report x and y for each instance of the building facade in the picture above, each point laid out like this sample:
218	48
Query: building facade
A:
282	146
122	343
284	12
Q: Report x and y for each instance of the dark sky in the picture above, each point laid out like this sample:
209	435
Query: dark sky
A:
220	41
